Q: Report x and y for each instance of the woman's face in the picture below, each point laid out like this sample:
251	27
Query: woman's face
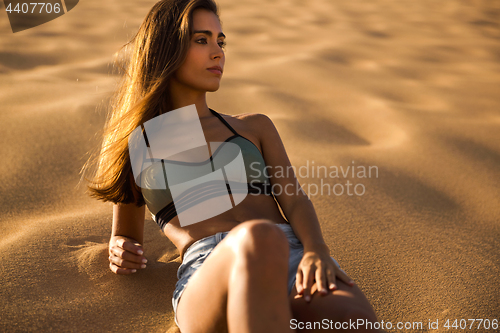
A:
205	51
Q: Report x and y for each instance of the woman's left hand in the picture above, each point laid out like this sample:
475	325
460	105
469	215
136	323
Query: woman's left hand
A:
317	266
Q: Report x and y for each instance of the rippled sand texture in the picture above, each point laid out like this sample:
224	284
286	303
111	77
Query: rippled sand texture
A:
411	87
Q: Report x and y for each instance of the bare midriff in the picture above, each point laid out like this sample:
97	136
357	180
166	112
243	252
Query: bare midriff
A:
252	207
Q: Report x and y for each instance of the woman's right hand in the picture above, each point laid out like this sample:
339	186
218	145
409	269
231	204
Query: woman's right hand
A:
125	255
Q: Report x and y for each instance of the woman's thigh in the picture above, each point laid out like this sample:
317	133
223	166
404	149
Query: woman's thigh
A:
203	303
342	304
200	307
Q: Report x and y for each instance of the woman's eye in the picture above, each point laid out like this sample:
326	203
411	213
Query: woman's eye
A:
203	41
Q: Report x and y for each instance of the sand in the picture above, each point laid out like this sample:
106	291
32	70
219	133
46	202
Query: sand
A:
410	88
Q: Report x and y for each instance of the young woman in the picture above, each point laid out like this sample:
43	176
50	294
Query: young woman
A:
249	269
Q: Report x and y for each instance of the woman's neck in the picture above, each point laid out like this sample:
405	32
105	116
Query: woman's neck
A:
181	97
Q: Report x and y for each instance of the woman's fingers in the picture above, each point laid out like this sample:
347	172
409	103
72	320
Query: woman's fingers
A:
129	246
331	279
132	251
298	282
322	272
321	280
126	257
307	283
120	270
120	262
344	277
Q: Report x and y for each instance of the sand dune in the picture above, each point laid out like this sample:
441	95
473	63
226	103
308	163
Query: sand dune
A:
409	87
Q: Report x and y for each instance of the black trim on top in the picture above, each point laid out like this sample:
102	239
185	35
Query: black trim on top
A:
224	121
167	213
232	129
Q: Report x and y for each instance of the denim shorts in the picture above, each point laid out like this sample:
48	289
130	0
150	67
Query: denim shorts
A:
196	254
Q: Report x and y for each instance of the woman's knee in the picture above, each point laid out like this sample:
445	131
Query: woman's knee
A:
260	239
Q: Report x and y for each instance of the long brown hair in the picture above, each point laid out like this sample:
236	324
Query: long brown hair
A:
152	56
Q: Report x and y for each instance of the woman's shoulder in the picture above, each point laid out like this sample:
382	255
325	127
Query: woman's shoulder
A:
249	121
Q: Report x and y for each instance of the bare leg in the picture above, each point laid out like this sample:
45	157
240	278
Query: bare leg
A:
242	285
342	305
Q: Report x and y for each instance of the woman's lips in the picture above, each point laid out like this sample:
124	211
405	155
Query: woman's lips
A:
215	71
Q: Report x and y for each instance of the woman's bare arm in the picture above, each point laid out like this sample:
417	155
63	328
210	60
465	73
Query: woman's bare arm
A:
296	206
316	265
125	244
